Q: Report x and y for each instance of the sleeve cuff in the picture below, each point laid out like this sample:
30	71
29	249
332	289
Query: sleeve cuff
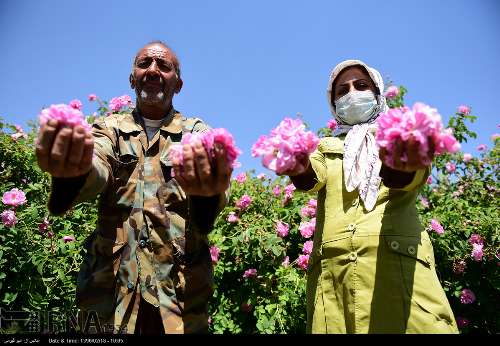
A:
418	179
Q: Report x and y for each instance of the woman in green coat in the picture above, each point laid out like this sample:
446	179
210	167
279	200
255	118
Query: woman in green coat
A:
372	268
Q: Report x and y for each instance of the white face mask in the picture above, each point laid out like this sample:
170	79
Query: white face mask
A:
356	107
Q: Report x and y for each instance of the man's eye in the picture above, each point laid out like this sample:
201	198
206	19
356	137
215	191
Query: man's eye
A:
142	64
165	66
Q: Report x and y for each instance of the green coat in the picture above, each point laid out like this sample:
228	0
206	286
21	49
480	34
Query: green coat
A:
371	272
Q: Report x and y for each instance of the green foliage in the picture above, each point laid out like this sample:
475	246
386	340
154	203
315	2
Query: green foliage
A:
38	272
273	301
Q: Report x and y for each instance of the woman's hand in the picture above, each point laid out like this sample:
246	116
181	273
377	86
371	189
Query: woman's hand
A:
411	149
300	168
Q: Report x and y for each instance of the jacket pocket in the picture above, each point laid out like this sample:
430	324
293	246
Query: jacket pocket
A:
422	288
173	196
125	179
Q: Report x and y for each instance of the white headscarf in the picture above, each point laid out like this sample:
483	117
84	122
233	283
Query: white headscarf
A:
361	162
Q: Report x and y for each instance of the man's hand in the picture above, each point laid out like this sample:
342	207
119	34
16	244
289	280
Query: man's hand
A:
64	152
413	162
197	177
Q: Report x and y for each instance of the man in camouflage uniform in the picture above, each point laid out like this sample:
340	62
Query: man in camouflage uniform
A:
147	267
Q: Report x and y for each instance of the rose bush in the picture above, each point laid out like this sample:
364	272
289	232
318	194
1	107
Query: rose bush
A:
261	241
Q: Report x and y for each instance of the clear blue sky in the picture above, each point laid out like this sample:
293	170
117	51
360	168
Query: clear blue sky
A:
248	64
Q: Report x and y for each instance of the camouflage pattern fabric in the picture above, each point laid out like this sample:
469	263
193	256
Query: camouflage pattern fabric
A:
147	242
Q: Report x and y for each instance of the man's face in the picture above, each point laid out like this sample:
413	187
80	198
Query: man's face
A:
154	76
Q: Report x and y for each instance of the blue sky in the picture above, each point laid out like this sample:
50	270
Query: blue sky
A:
248	64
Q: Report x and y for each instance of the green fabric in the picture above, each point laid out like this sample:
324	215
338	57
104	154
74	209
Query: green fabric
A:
371	272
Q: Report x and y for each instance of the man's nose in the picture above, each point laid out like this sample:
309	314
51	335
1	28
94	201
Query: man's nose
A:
153	70
352	87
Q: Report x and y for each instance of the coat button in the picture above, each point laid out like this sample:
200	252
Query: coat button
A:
394	245
351	227
130	286
142	243
353	256
411	250
355	202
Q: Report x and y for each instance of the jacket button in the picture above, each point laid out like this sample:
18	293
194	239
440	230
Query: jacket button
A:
142	243
355	202
353	256
411	250
394	245
130	286
351	227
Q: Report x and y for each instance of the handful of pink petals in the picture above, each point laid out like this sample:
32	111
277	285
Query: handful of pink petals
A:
422	124
287	144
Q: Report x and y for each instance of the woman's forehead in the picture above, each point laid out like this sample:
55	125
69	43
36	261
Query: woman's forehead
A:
352	72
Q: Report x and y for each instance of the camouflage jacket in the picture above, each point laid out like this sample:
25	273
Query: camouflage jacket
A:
151	239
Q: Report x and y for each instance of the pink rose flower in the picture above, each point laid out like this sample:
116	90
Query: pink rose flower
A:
424	201
65	116
422	124
307	248
282	229
92	97
467	157
287	144
9	218
209	139
76	104
332	124
44	226
467	296
450	167
307	228
249	273
117	103
310	209
481	147
277	190
429	180
244	202
436	226
477	252
475	239
214	254
68	238
232	217
463	109
241	178
462	322
289	192
286	262
14	197
302	261
391	92
17	135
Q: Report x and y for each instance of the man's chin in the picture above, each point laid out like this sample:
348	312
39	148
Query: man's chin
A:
152	99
